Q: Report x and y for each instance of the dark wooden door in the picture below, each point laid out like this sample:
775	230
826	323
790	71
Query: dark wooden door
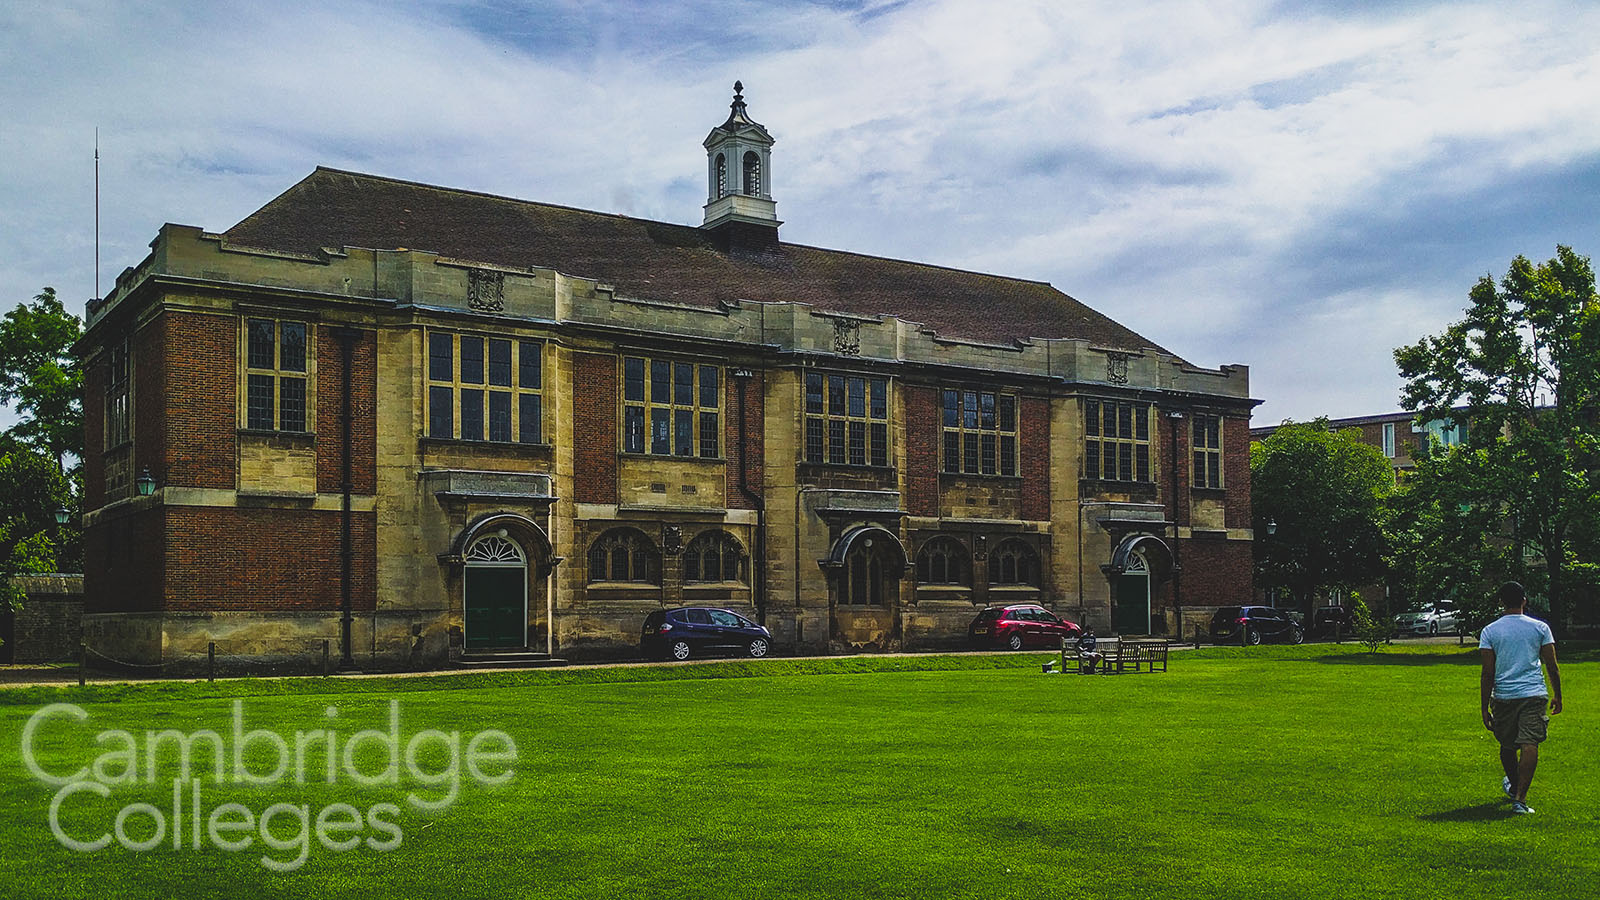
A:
496	607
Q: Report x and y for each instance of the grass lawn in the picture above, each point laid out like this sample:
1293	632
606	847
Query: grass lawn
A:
1270	772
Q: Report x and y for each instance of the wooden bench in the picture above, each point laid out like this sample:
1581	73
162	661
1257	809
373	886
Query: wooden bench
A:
1119	656
1141	655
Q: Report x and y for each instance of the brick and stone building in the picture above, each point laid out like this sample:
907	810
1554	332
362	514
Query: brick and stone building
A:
490	423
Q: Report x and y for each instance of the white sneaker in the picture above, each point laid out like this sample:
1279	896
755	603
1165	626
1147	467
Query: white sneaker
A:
1520	808
1505	785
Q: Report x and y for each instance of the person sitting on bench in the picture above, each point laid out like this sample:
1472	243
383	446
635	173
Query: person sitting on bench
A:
1088	659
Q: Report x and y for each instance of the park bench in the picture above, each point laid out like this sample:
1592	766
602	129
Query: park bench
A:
1120	656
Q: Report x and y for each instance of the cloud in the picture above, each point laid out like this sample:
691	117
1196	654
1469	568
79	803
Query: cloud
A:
1239	181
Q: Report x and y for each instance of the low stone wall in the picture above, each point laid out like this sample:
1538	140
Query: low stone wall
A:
49	625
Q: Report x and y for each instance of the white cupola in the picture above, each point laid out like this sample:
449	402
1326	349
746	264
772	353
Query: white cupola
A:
739	205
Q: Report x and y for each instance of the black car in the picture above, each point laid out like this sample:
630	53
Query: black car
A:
699	630
1332	619
1254	624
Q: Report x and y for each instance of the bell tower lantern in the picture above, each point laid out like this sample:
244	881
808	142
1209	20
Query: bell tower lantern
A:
740	211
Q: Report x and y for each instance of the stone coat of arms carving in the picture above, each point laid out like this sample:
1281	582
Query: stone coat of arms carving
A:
1117	368
846	337
486	290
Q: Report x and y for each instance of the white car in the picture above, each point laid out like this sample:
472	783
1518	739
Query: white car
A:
1442	618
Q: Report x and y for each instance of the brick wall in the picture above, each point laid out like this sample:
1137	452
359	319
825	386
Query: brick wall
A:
1236	470
753	391
49	625
363	412
923	436
94	435
198	391
1035	450
122	563
1179	453
149	385
221	558
1216	572
594	427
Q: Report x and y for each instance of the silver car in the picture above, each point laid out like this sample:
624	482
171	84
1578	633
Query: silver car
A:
1441	618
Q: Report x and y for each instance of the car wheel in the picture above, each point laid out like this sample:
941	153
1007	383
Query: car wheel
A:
1433	628
759	648
1296	636
1252	636
1014	642
679	650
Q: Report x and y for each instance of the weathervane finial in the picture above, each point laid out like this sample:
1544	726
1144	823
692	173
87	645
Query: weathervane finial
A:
738	88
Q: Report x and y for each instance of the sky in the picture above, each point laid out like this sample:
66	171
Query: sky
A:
1300	187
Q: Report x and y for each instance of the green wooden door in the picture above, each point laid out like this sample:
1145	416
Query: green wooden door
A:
496	607
1131	612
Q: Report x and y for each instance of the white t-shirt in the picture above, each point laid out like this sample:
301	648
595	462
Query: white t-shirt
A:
1516	640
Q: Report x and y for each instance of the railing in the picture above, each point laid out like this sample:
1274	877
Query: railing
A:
297	658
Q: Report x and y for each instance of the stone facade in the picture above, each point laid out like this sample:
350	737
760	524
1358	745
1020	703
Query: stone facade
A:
581	497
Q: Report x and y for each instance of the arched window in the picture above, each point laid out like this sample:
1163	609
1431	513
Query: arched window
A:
868	571
494	550
714	556
943	561
752	173
722	175
1015	563
626	555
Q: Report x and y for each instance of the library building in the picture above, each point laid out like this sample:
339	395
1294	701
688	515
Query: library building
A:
427	426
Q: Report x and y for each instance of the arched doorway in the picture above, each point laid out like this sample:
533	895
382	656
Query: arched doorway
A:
1131	611
495	593
865	566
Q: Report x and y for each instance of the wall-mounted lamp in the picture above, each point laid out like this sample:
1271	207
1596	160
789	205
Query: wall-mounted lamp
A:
63	515
1272	526
145	482
672	539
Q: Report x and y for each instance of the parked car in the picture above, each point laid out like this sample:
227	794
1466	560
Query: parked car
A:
698	630
1020	626
1254	624
1331	619
1442	618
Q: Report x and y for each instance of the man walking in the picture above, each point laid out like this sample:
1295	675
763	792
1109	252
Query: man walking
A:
1511	690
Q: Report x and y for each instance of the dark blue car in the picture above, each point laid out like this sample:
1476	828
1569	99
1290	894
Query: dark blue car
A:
701	630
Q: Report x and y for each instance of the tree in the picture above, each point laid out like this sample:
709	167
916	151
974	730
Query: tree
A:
32	488
1324	492
40	377
1522	372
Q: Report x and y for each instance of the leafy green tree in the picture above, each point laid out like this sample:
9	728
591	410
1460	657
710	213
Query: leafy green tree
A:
40	376
1521	495
32	488
1324	492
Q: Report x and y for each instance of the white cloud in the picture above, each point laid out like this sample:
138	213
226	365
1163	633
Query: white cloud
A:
1214	174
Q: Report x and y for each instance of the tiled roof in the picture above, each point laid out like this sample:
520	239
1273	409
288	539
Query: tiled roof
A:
662	261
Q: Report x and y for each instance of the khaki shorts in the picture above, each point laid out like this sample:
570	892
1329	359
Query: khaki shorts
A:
1520	721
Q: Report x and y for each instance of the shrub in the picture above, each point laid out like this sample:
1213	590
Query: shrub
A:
1369	629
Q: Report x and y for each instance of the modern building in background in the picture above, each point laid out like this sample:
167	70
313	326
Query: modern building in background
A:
482	424
1397	434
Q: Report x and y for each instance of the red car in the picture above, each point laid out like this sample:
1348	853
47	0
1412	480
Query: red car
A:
1016	627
